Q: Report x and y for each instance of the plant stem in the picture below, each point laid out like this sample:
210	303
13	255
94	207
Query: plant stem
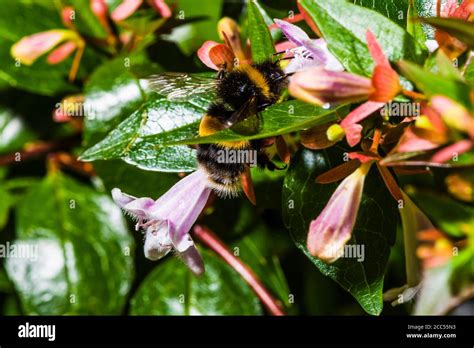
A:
38	149
209	239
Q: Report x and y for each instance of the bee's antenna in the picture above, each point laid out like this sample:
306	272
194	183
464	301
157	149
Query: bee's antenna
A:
283	76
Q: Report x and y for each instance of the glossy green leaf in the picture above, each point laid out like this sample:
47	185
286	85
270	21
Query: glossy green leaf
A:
414	26
84	19
452	217
79	252
130	179
156	116
256	251
259	35
13	131
460	29
375	227
344	26
21	18
469	74
283	118
190	36
171	289
463	270
395	10
433	84
426	8
114	91
5	204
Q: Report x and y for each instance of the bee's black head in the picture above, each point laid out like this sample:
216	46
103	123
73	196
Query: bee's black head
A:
274	75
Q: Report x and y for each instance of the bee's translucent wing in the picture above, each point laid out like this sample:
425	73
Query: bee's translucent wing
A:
182	86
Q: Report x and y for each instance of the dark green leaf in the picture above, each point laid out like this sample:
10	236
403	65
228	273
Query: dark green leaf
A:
375	227
189	37
452	217
414	26
21	18
432	84
256	251
156	116
469	74
171	289
259	35
80	257
283	118
5	204
113	92
463	270
460	29
344	26
136	182
13	131
84	19
395	10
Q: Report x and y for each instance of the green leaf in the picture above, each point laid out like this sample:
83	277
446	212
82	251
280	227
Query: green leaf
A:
113	92
426	8
189	37
256	251
130	179
414	26
375	226
394	10
283	118
171	289
80	252
84	19
469	74
259	35
344	26
13	131
460	29
22	18
452	217
156	116
432	84
5	204
463	270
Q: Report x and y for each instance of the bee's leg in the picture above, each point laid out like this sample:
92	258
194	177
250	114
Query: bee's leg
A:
263	161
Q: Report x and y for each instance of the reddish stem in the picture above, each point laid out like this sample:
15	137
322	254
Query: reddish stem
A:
209	239
37	149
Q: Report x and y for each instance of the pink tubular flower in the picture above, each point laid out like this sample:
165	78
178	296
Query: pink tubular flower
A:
129	7
167	221
319	86
31	47
331	230
306	52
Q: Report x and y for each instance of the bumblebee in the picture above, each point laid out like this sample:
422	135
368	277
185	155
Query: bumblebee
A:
241	94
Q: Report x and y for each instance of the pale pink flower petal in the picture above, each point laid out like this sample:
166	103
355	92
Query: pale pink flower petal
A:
319	86
332	229
446	154
161	7
61	53
125	9
167	221
29	48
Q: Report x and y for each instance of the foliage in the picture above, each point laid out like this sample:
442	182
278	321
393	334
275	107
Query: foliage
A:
57	169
